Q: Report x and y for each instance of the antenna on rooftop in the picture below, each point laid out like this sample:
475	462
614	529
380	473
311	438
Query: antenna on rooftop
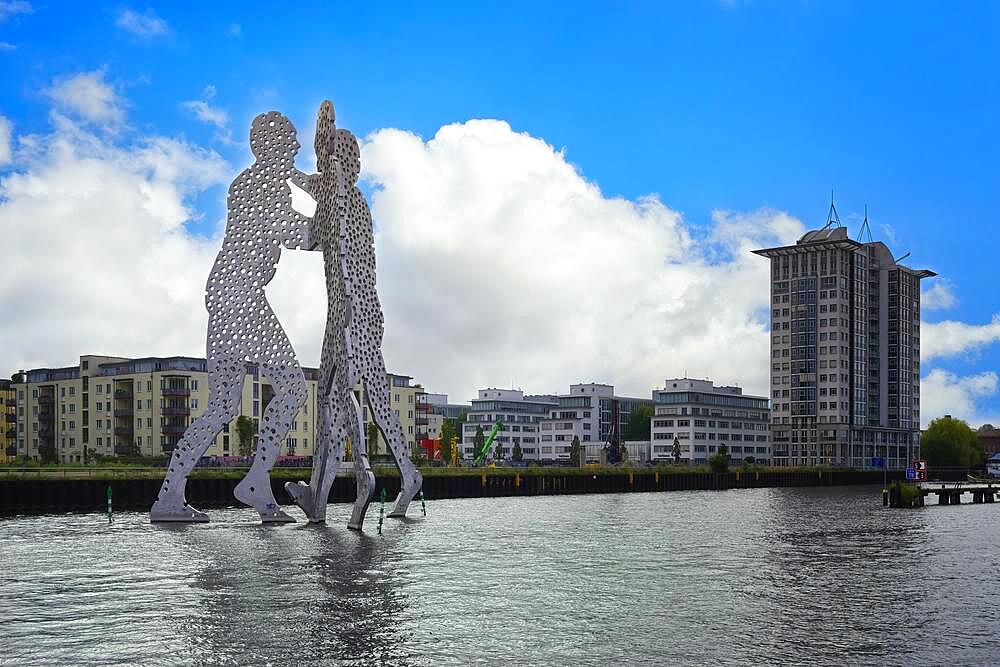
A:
832	218
865	227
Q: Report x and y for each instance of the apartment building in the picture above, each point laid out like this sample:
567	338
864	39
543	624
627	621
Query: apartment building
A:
8	421
702	418
845	351
115	406
590	412
518	414
403	399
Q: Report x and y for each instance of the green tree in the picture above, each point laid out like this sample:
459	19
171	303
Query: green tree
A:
986	427
445	445
416	453
638	423
498	450
574	451
372	439
950	442
719	462
516	454
244	430
47	453
676	451
479	440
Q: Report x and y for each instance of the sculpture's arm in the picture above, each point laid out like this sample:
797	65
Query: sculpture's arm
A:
301	232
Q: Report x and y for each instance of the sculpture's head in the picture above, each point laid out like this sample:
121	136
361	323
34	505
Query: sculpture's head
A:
349	156
272	135
325	119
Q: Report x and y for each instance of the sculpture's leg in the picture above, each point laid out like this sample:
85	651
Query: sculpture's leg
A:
363	475
377	397
313	497
289	396
225	386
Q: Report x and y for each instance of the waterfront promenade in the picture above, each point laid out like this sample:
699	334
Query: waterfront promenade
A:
25	490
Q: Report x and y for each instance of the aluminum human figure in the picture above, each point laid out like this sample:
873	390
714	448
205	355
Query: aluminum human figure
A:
364	331
242	326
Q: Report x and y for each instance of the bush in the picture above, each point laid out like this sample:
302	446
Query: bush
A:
718	462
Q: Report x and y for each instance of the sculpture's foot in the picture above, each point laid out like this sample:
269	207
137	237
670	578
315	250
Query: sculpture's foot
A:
176	510
257	494
302	495
411	486
366	491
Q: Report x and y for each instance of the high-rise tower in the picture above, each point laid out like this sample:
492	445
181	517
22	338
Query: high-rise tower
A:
845	351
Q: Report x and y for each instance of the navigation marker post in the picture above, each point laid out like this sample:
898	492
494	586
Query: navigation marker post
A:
109	504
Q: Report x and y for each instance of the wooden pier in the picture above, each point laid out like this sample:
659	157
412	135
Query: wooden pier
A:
950	493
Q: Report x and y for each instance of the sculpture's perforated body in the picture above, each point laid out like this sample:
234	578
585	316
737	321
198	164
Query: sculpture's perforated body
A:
242	326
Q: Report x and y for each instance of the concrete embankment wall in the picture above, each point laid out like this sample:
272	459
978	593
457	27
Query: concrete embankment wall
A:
55	495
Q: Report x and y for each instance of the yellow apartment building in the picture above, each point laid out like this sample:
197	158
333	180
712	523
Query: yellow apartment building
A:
8	421
116	406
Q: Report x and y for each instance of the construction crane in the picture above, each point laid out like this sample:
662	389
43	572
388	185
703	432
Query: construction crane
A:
484	453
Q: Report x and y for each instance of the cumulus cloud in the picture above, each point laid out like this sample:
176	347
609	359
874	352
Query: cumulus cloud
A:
961	397
498	260
205	112
90	97
949	338
8	9
145	25
97	256
5	141
940	296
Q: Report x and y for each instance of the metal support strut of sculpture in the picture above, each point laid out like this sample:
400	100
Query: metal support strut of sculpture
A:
242	327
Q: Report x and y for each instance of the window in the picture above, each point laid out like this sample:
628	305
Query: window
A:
194	385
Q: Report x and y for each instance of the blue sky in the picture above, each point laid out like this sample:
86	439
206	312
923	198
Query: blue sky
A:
711	106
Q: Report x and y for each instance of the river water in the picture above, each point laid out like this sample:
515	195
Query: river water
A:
817	575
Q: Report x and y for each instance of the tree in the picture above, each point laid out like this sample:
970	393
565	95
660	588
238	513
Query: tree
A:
677	451
372	439
986	427
638	423
950	442
446	446
719	462
498	451
574	451
479	440
244	430
47	453
517	454
416	453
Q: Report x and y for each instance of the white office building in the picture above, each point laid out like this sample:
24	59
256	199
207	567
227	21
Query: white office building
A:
702	417
518	415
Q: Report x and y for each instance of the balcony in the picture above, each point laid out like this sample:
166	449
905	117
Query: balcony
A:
168	448
46	433
124	430
123	394
176	411
11	433
10	418
127	411
46	399
176	391
11	450
176	429
124	449
46	416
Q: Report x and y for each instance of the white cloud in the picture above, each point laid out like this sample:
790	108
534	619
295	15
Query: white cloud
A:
499	260
145	25
8	9
235	30
5	141
948	338
7	46
97	258
940	296
206	113
90	97
943	393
